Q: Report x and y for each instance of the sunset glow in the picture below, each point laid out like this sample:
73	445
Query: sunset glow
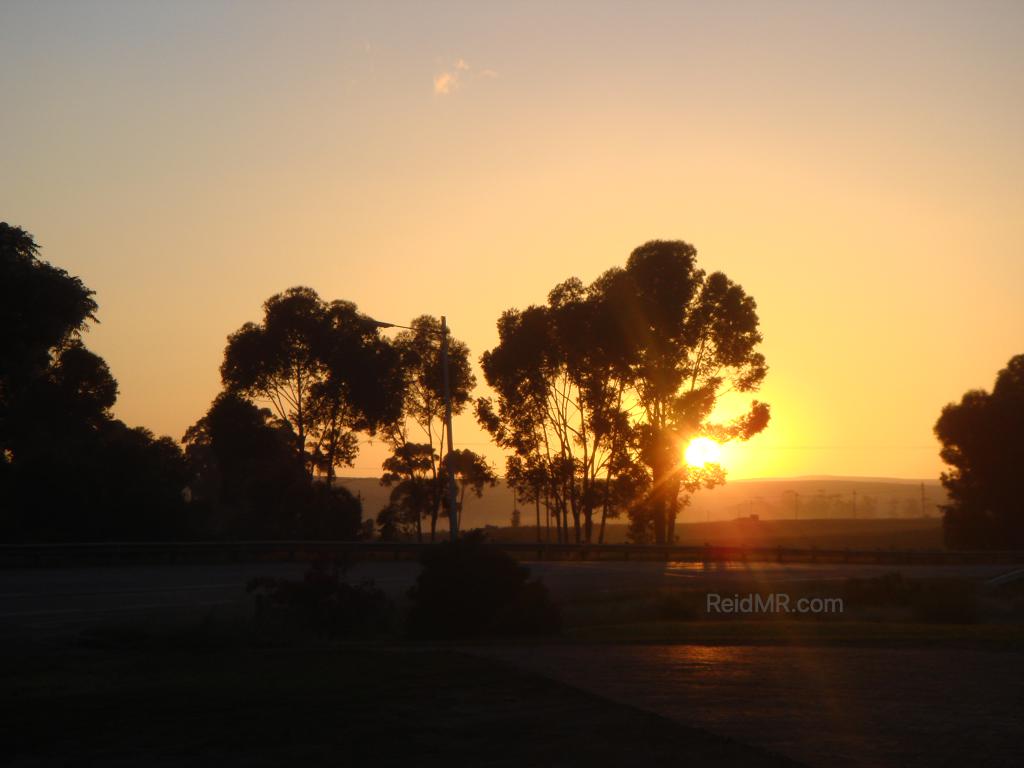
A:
702	451
861	184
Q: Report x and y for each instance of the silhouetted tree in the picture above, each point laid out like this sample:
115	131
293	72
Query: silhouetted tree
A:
244	468
42	309
324	370
690	337
68	470
982	440
470	470
620	374
411	468
246	474
422	412
559	381
403	515
528	478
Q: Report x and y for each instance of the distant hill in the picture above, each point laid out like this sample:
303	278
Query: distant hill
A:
838	533
798	498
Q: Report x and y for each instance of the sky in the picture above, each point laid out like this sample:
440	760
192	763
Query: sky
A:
855	166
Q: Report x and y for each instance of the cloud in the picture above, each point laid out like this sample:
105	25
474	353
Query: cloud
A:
452	78
445	83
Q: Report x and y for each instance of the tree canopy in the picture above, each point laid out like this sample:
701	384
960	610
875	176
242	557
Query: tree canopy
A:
68	469
323	368
982	440
422	417
620	374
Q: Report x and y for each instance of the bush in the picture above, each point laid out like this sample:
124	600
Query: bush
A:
472	588
321	603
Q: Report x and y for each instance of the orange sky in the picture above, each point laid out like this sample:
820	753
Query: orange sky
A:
857	168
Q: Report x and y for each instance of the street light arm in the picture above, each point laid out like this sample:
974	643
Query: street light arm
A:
382	324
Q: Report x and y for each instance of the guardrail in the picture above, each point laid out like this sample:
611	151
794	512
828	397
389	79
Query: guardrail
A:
144	552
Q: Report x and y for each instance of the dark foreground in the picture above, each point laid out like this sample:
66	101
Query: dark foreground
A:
271	707
825	706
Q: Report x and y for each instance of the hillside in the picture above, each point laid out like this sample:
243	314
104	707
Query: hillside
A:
775	499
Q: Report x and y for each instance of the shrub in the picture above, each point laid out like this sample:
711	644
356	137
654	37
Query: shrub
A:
321	603
471	588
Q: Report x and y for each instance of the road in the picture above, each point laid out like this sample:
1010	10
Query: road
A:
835	707
823	706
58	600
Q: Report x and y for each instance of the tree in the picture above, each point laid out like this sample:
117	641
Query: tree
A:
621	374
411	468
244	469
68	469
982	440
324	370
246	475
559	382
470	470
527	478
403	515
43	312
691	338
42	309
422	412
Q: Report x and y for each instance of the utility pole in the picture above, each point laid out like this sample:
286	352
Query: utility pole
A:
453	512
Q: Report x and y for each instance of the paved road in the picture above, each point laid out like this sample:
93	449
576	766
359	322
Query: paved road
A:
49	600
839	707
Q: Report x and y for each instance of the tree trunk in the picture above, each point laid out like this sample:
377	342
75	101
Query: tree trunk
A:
604	515
547	519
536	503
673	510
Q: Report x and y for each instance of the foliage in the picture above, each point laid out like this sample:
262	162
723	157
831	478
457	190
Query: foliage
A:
42	309
324	370
68	469
246	473
470	587
412	470
602	387
422	414
471	471
982	440
322	603
409	501
420	349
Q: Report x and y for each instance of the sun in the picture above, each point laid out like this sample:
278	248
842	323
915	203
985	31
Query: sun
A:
701	451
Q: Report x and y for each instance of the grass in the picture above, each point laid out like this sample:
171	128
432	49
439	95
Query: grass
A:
159	705
1009	637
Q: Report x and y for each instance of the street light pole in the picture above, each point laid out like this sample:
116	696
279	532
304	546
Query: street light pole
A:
453	511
